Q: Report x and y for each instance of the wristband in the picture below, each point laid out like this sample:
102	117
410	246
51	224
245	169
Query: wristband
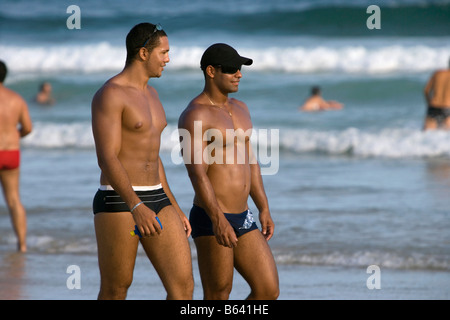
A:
137	205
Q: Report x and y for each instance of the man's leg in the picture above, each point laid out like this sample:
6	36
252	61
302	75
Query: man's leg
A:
170	254
215	264
430	124
446	124
253	259
10	183
116	253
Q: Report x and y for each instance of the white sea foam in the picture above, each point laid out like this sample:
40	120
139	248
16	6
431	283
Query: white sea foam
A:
55	135
91	58
50	135
365	258
388	142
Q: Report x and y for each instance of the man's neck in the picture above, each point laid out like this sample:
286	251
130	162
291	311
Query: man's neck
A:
217	96
135	75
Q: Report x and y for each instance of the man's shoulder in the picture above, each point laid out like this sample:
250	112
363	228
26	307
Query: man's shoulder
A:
111	86
197	106
111	92
12	96
236	101
442	73
240	104
196	110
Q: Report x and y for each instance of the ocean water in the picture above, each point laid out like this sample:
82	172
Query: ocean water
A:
352	188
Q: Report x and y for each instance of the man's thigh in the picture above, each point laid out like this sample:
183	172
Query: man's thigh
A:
10	183
446	124
430	123
116	247
169	251
215	264
253	259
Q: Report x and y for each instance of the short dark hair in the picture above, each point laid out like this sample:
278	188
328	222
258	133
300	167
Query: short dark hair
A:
140	34
3	71
315	90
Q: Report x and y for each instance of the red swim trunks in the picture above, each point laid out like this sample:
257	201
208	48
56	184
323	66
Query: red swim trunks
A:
9	159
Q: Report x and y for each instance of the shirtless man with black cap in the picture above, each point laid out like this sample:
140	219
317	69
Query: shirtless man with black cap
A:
437	95
223	227
127	121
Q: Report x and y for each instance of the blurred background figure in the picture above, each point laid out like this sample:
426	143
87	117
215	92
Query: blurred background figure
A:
15	122
316	103
437	95
44	95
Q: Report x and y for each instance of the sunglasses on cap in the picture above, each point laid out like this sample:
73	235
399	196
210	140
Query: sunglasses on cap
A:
158	27
228	70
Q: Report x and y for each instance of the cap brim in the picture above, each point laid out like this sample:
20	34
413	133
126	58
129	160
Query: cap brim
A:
246	61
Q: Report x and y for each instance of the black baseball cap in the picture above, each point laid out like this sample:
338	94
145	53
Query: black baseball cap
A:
224	55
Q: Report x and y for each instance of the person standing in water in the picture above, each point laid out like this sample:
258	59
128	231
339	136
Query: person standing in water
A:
15	123
437	96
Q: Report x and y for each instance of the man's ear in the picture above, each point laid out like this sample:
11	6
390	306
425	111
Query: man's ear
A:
143	54
211	71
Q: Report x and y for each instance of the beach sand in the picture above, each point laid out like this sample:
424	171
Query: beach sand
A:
35	276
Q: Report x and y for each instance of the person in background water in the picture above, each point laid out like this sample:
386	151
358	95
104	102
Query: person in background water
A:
44	95
15	123
316	103
437	96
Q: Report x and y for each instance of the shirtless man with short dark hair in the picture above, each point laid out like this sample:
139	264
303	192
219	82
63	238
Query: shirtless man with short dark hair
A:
127	121
437	95
13	112
223	227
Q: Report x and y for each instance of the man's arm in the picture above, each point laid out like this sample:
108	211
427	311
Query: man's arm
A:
25	120
429	88
165	185
107	130
259	196
203	188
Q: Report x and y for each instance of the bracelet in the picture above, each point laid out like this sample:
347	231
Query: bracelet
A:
137	205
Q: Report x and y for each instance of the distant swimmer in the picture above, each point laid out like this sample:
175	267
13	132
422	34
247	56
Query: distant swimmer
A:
316	103
437	95
44	95
15	123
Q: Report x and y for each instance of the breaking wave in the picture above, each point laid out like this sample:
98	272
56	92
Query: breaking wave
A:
91	58
388	142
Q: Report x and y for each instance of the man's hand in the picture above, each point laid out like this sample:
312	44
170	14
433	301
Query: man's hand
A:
186	225
225	234
146	222
267	225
